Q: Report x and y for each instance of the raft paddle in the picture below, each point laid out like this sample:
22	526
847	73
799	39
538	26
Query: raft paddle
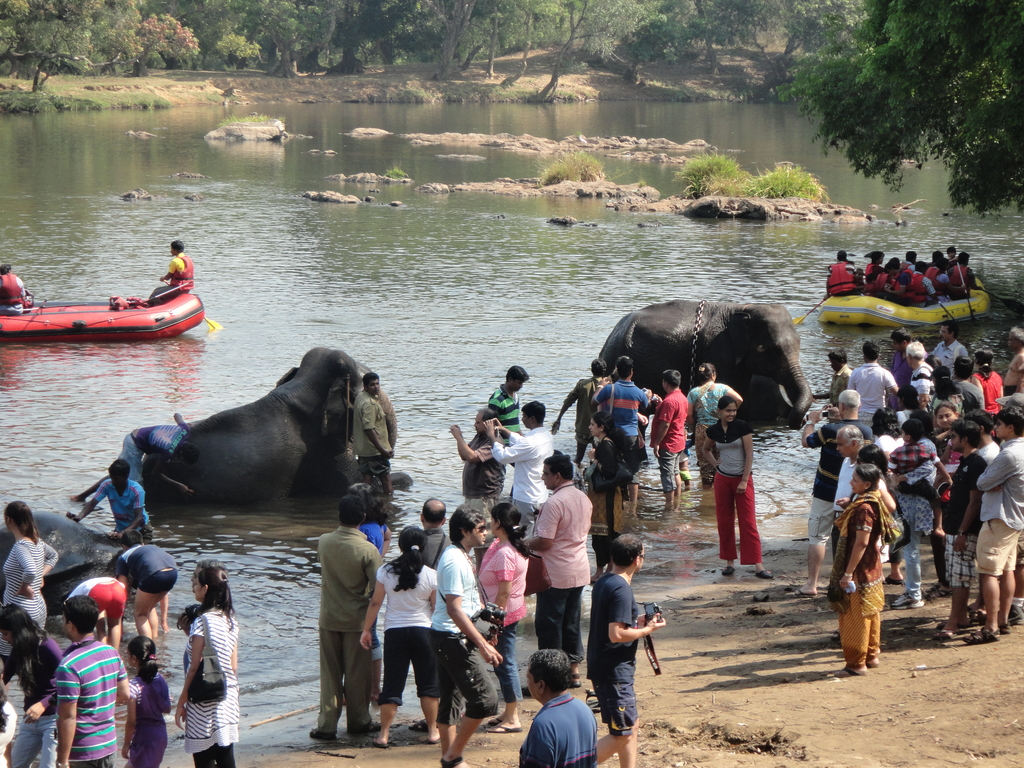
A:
800	320
1013	304
214	325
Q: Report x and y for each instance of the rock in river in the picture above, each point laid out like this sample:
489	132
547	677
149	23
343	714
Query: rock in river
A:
331	197
267	130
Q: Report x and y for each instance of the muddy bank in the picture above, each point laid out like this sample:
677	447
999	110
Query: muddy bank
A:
748	688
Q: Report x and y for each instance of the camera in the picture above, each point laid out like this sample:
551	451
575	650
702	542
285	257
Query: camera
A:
490	614
651	610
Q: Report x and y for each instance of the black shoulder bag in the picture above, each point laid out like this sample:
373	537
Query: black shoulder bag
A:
209	684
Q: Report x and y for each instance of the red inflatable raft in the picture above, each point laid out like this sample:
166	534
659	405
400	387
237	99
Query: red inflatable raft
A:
160	317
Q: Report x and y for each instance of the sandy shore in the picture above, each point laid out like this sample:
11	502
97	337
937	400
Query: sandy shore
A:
749	683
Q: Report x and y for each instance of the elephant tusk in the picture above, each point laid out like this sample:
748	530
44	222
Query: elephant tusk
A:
785	397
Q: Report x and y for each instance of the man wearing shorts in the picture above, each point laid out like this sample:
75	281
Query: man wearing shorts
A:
110	595
370	440
961	523
668	436
611	649
626	399
1002	516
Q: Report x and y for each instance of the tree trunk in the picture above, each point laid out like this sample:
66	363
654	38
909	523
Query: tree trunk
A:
511	79
310	61
39	78
139	68
386	51
456	22
493	46
285	66
548	92
471	56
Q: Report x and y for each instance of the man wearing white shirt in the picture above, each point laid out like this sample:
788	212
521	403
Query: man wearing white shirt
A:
873	382
527	451
949	349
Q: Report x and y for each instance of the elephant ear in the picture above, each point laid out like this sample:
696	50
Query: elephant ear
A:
287	377
338	408
739	335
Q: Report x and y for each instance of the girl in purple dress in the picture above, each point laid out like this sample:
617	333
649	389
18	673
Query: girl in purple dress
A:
145	732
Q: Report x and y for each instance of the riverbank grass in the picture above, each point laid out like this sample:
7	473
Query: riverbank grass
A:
253	118
572	166
787	181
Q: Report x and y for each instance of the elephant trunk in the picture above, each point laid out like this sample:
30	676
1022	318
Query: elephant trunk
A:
799	393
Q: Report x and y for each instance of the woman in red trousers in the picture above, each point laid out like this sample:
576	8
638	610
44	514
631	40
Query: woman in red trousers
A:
734	488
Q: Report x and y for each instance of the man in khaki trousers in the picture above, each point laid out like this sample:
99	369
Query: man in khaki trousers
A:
348	568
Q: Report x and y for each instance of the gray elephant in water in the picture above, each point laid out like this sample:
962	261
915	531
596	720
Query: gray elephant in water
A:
294	441
747	343
84	554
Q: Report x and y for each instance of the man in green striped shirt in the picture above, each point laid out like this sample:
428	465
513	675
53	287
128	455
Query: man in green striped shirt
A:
89	681
505	399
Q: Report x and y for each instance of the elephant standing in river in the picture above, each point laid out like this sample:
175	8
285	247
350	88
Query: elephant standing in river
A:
293	441
743	341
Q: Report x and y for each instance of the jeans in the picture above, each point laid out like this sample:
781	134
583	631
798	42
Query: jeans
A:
912	565
38	738
508	670
558	621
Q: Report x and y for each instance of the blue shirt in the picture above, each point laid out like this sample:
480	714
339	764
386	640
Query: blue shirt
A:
455	576
123	505
563	735
374	534
628	400
165	439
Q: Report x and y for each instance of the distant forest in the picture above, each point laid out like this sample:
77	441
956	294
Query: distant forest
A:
288	37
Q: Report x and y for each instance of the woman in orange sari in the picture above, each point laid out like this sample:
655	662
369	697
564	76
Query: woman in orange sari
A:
856	590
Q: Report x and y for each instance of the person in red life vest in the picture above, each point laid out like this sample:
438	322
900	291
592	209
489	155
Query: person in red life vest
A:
841	277
920	291
14	299
961	278
875	275
181	272
895	287
936	273
951	256
910	262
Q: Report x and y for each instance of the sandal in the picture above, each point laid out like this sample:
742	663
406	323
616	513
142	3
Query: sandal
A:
943	634
981	638
728	570
453	763
1004	629
421	725
847	672
895	582
764	575
505	729
960	627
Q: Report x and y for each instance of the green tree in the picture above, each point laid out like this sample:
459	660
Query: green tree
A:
161	35
919	81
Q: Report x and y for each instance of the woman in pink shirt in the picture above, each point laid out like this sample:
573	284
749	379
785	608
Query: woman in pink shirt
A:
503	581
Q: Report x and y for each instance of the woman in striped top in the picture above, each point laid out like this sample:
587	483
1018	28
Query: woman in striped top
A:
211	729
29	561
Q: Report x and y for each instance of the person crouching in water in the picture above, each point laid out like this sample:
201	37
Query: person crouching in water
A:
856	590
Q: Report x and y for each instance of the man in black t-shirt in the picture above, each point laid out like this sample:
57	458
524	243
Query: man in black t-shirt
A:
962	524
611	649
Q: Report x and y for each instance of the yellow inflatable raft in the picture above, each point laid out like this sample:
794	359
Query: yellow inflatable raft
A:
868	310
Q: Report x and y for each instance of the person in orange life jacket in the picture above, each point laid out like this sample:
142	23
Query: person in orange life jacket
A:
13	296
841	277
961	277
936	272
873	273
892	289
181	271
920	291
910	261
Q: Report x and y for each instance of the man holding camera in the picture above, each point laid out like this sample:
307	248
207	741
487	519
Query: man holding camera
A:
615	629
462	652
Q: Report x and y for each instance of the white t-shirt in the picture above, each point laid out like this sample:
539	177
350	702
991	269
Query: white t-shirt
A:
456	577
407	607
989	452
887	443
85	587
8	732
844	490
872	382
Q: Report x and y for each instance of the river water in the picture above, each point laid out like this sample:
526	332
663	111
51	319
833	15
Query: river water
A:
439	296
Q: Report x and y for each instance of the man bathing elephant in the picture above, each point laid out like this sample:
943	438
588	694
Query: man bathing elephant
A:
741	340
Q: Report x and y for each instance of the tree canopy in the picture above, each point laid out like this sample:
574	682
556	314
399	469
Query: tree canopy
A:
918	81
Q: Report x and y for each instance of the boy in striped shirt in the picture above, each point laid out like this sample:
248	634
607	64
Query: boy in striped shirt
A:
90	681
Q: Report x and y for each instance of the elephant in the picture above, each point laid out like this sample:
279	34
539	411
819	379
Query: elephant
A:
743	341
84	554
294	441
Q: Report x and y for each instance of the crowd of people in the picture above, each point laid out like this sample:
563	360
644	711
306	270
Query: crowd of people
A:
906	281
929	448
70	695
